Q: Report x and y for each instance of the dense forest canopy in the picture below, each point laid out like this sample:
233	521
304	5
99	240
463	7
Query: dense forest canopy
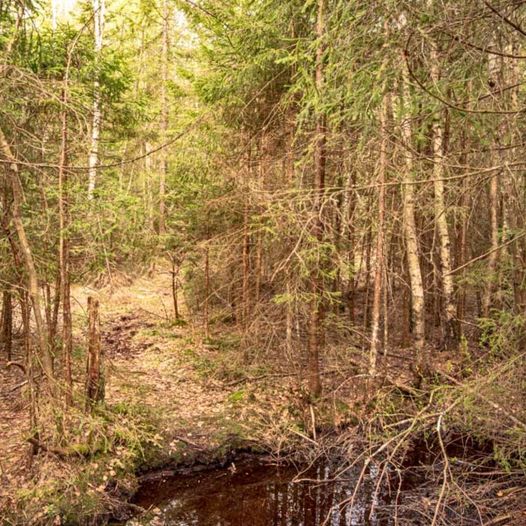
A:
336	189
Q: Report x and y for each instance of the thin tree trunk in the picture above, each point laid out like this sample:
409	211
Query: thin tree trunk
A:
347	235
258	270
55	312
451	333
289	321
64	244
7	323
206	313
514	204
494	245
96	123
495	78
164	116
95	366
207	292
316	315
25	309
368	241
175	272
380	243
29	262
147	192
245	292
410	230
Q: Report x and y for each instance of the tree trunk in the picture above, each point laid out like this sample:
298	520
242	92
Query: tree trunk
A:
95	366
410	230
164	116
34	431
451	333
494	245
380	242
495	79
175	286
7	323
245	254
64	244
316	285
29	262
96	123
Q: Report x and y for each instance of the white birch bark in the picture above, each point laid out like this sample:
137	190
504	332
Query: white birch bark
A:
441	215
410	231
96	124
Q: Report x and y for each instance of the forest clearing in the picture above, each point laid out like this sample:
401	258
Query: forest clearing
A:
263	262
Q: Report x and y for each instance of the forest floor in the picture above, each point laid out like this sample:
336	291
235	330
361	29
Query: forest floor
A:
174	398
187	398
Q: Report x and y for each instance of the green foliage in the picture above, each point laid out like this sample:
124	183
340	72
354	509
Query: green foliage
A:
503	332
237	396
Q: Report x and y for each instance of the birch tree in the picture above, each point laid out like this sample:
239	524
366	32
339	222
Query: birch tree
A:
96	122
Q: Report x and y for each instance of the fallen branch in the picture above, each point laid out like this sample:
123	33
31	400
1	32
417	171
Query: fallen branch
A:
17	386
493	404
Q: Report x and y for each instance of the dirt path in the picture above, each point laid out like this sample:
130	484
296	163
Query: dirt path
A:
151	363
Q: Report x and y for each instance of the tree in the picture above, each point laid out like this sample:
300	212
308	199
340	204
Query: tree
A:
96	123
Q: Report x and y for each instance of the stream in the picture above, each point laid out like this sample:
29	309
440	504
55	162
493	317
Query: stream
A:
255	494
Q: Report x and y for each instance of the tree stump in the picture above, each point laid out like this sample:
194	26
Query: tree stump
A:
95	365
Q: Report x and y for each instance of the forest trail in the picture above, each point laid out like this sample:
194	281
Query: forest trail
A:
152	363
151	360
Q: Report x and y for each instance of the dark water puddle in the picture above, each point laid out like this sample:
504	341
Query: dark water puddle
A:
253	494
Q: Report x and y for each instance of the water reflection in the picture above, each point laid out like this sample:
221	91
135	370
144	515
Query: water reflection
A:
256	495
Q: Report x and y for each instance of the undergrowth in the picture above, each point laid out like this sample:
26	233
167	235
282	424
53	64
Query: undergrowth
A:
88	463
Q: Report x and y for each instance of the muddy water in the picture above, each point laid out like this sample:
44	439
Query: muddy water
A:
253	494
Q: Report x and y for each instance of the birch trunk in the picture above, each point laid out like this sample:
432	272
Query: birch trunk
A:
410	230
96	123
164	116
495	80
437	140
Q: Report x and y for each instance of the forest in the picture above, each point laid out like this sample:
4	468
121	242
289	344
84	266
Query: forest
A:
263	262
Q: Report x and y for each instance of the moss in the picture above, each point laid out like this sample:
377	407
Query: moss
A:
237	396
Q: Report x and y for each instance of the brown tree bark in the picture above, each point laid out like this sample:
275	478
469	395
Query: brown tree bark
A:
176	267
380	256
64	257
245	263
206	314
316	285
495	78
25	310
29	262
7	323
95	366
